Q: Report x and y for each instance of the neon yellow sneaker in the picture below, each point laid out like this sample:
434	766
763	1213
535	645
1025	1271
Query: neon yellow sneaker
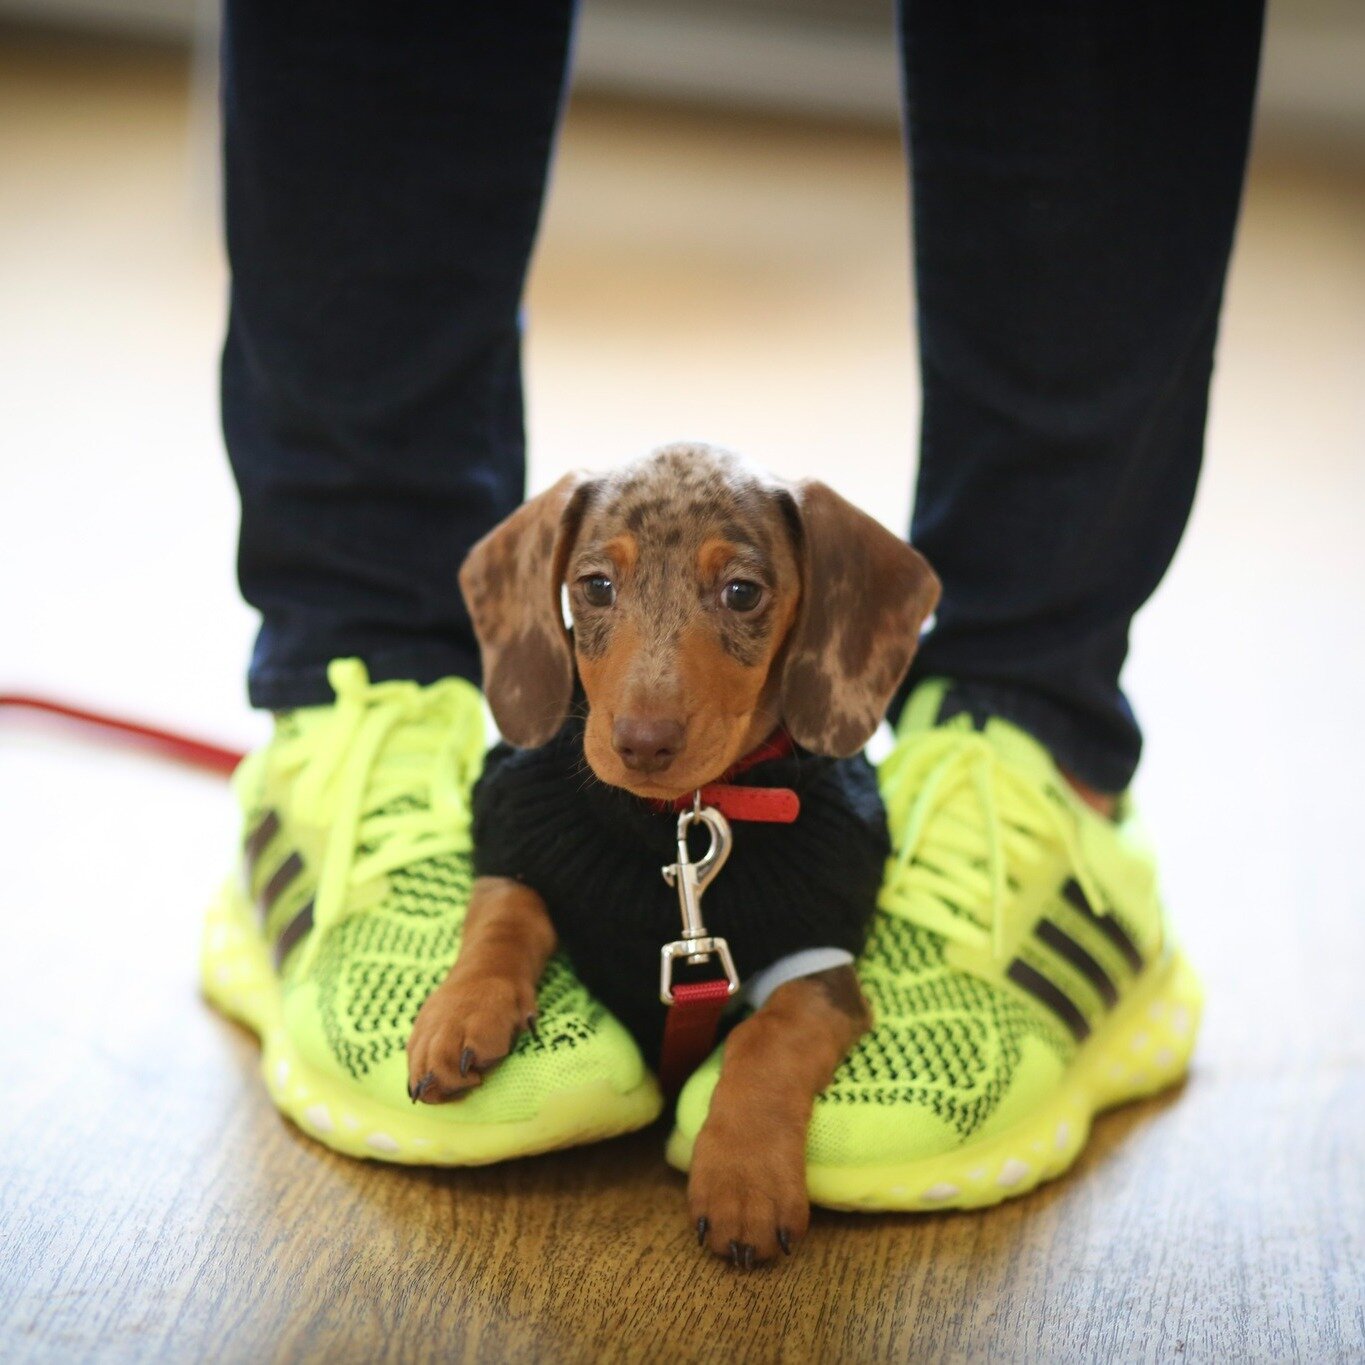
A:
356	875
1020	974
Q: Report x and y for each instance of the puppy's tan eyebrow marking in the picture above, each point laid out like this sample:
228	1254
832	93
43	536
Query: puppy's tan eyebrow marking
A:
717	555
714	554
620	554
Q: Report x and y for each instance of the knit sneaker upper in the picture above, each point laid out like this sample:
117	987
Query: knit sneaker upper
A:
357	847
1012	918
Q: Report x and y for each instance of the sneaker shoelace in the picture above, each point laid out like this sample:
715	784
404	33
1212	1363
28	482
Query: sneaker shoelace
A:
973	829
386	772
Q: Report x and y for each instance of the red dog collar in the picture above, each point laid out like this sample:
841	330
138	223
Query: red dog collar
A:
770	805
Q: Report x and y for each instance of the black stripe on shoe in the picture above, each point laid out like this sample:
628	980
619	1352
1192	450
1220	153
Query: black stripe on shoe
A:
259	838
293	932
1066	947
1106	924
280	881
1042	990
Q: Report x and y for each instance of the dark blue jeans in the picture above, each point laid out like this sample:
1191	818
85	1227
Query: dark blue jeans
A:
1077	169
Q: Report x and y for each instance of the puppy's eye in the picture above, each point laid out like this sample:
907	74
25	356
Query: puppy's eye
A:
598	590
741	595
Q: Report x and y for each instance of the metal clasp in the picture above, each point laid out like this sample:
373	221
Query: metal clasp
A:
691	880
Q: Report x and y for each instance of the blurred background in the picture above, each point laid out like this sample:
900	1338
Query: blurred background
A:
725	256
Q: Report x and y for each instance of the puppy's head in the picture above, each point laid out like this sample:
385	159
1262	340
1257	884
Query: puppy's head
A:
709	602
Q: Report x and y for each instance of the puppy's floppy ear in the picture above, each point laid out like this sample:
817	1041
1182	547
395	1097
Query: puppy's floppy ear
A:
864	596
511	581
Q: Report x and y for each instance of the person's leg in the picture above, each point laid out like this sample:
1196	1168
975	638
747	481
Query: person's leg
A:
385	168
1077	170
384	173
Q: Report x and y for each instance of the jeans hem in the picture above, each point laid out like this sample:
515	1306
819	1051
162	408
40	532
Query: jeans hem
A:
280	689
1074	748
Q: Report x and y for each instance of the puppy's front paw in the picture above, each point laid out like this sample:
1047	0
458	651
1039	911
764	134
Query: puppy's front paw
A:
747	1204
465	1028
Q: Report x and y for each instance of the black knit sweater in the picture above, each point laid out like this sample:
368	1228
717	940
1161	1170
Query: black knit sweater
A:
594	853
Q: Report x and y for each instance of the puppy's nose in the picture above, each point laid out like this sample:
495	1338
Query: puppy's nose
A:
646	745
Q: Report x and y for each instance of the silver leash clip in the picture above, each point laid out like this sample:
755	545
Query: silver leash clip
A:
691	880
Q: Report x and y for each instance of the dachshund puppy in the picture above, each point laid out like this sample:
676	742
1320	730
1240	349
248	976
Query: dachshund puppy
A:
712	607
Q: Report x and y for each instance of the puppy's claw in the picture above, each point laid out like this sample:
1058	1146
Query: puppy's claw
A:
420	1087
784	1240
734	1253
466	1061
748	1256
702	1224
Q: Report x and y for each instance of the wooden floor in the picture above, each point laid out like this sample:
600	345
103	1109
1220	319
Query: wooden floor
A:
743	281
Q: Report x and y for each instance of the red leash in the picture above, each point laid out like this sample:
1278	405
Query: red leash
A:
197	753
690	1028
